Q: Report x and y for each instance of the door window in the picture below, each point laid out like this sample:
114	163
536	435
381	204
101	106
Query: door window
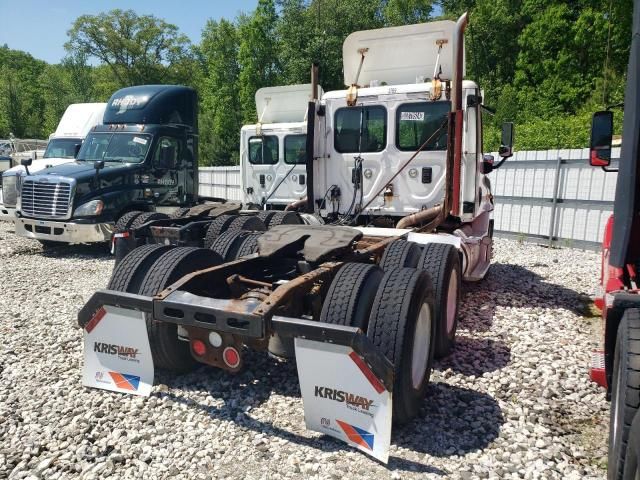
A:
263	150
295	149
416	122
360	129
167	153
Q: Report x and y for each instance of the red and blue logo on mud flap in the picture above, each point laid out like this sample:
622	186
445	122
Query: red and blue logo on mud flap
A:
357	435
125	381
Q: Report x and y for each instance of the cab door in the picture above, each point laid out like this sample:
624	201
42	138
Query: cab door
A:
295	167
261	166
169	175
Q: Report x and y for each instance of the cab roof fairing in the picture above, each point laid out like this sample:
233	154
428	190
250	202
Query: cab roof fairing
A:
153	105
401	55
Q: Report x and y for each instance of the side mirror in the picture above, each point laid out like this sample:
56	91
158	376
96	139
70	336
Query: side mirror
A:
486	166
98	165
601	137
26	163
506	144
76	150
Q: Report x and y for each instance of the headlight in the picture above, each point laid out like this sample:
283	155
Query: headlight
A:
89	209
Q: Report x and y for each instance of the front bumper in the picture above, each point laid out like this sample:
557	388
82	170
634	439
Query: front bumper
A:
7	214
67	232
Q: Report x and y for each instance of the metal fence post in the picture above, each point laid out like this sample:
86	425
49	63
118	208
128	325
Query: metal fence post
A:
554	202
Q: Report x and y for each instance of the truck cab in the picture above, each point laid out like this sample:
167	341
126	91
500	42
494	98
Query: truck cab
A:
77	120
273	151
142	157
405	136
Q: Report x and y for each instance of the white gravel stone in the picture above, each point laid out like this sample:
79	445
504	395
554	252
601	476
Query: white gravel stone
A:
513	401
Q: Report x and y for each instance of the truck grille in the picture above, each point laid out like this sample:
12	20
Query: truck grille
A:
9	190
45	199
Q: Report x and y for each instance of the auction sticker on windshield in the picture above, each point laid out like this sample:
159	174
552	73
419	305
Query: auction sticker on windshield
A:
342	398
117	355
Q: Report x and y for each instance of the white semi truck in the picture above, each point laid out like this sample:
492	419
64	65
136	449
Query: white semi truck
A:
273	151
76	122
360	280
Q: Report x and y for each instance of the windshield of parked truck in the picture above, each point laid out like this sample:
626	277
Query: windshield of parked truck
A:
62	147
115	147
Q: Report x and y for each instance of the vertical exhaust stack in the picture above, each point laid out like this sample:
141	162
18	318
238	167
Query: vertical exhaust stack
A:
461	26
311	120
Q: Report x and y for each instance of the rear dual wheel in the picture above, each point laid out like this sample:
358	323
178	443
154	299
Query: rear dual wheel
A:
397	311
148	270
442	262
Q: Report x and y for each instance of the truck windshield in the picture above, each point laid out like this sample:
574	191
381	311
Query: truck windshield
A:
61	147
115	147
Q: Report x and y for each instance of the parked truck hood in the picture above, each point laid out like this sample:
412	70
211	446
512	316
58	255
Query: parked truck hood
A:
79	170
37	165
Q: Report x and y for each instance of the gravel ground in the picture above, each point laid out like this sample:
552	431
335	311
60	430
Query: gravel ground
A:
514	401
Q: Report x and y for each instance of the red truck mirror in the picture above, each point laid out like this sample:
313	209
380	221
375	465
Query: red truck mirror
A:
601	137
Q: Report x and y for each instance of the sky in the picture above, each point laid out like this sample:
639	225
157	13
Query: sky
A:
39	27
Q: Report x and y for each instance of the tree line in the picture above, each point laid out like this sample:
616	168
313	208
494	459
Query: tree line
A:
544	64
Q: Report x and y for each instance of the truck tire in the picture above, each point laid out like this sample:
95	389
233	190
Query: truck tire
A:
167	350
216	228
442	262
625	390
128	273
124	222
284	218
351	294
147	217
631	469
248	245
248	222
227	244
400	254
401	326
266	215
179	213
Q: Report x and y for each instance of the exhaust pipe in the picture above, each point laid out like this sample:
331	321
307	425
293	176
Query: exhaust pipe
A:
311	119
423	216
461	26
297	205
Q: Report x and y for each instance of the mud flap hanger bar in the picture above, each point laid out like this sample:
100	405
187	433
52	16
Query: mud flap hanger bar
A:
183	308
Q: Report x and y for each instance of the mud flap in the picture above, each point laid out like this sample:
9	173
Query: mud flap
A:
343	398
117	355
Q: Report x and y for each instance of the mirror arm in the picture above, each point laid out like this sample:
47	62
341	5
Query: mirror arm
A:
499	164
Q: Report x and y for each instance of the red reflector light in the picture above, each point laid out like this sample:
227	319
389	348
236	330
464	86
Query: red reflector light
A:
231	357
198	347
597	371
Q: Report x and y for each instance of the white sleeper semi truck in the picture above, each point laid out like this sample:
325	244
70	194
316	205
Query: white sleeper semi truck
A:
76	122
360	280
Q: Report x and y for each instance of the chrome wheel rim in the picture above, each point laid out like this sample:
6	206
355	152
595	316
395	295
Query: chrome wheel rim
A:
421	346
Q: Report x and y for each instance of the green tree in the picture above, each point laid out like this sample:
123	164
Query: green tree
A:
220	118
257	56
406	12
138	49
21	99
